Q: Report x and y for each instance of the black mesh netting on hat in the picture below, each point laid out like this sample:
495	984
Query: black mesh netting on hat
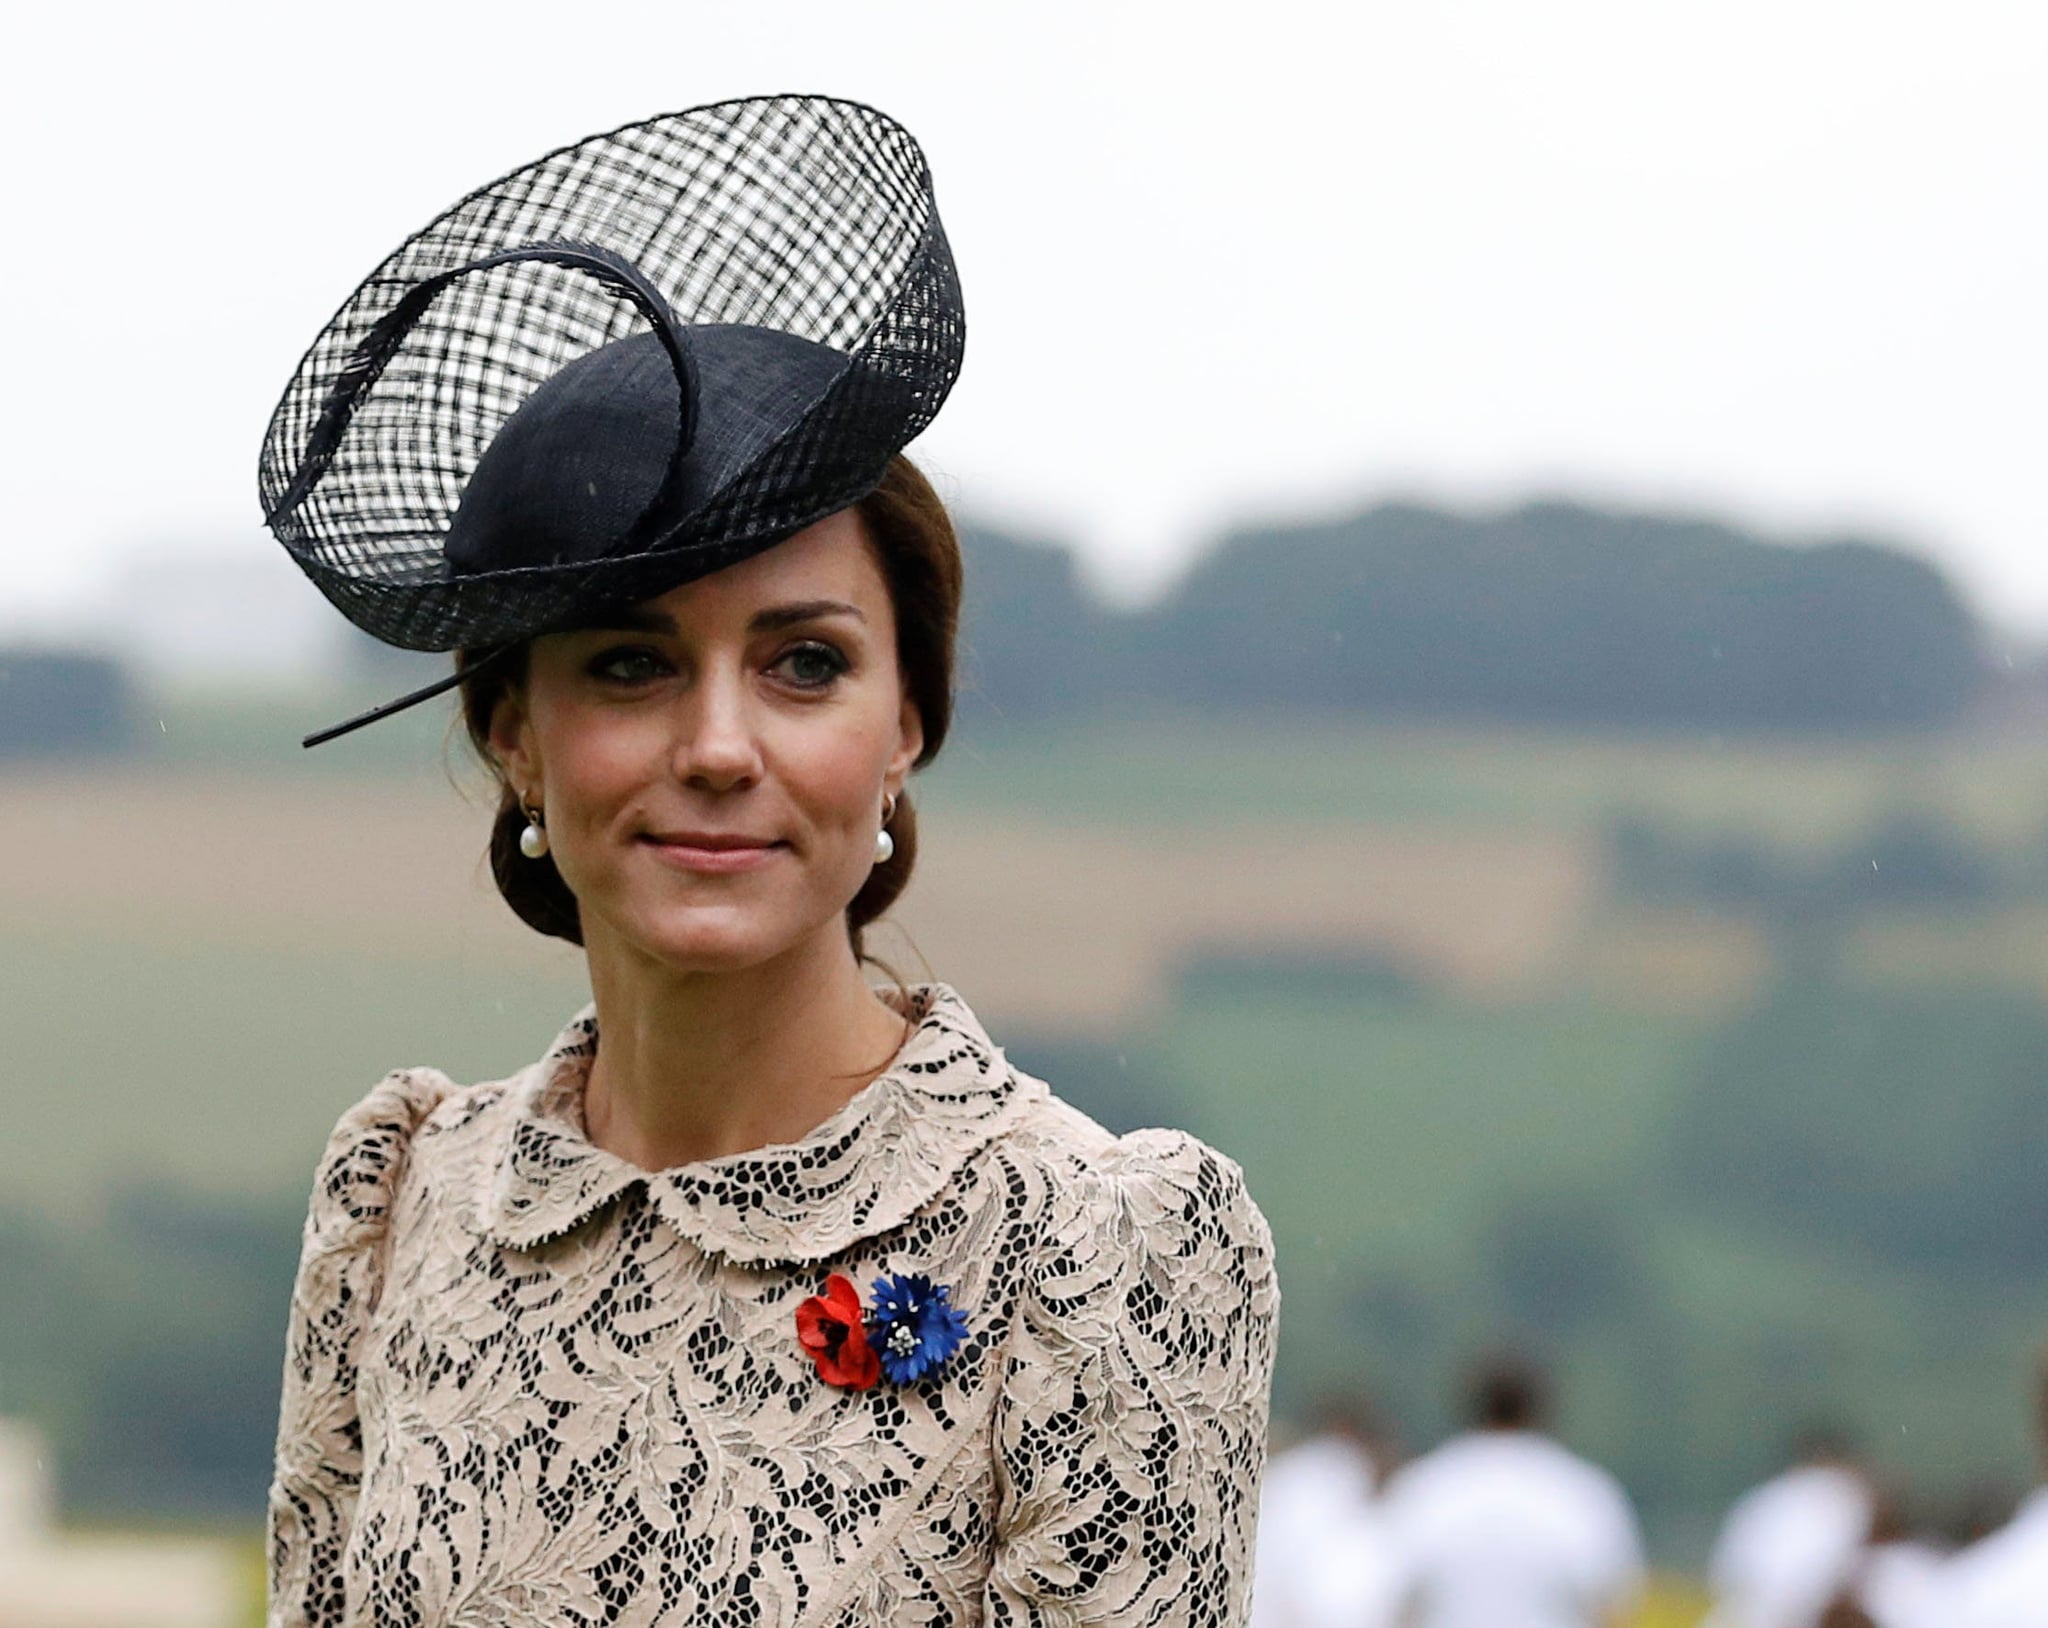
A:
804	214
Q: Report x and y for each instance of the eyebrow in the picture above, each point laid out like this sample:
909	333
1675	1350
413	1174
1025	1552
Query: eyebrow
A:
634	619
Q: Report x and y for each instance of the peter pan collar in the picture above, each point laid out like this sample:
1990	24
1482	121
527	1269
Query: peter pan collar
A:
867	1169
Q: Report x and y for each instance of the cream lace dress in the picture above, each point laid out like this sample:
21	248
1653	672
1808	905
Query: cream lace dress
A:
528	1383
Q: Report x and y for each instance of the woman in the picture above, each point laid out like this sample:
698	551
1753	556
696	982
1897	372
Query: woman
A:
765	1295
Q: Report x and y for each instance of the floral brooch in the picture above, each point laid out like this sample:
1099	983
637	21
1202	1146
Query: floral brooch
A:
908	1336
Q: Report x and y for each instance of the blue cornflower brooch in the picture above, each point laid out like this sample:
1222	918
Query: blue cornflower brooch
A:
913	1327
908	1336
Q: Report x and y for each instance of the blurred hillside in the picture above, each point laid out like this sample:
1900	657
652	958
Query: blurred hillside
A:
1618	933
1552	613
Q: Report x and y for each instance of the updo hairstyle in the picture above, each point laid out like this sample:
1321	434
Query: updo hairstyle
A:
914	543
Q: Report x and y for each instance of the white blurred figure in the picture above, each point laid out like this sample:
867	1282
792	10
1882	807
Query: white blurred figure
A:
1503	1528
2002	1581
1902	1573
1794	1544
1324	1559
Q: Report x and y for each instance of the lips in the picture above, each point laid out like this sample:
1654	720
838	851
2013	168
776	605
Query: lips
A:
714	841
711	853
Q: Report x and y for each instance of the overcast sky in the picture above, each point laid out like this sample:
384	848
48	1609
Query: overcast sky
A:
1781	260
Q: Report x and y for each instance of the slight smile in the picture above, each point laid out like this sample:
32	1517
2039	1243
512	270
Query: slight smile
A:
711	854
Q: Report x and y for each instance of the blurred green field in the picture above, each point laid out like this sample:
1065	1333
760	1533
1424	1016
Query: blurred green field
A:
222	1069
1439	1177
1382	1138
1798	790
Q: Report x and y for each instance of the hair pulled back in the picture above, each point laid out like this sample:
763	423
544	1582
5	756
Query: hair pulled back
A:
914	543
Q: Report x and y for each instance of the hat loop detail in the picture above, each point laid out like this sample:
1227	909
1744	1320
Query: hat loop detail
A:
381	343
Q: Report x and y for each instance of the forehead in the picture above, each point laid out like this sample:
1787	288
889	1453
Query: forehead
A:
830	559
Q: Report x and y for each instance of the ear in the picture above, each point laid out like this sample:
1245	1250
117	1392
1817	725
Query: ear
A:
910	743
512	742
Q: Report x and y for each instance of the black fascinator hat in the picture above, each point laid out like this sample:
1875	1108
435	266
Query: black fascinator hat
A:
620	368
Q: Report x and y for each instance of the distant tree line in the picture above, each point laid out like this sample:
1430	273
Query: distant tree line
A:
64	703
1551	614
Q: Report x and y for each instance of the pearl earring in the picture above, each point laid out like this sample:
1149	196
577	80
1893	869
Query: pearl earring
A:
533	841
885	845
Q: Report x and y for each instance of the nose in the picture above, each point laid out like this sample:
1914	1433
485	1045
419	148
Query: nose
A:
716	747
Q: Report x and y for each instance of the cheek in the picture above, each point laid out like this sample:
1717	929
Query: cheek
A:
595	763
837	774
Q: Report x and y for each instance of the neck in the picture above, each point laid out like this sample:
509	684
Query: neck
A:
697	1065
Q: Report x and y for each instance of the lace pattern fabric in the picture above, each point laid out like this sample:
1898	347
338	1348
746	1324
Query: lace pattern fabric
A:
527	1382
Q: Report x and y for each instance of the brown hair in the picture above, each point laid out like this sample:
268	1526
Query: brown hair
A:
914	544
1507	1391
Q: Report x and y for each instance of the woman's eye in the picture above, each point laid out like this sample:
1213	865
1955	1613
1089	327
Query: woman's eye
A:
812	666
627	664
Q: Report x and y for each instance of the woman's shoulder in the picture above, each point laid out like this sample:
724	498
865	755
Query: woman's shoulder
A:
1054	1133
1162	1192
373	1144
1145	1253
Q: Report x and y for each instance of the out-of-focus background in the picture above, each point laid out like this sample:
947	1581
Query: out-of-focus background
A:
1503	688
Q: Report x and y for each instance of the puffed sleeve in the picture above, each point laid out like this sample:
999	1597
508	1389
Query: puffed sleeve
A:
319	1437
1131	1427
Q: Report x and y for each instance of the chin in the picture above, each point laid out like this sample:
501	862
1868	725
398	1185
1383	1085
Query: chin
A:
712	940
710	949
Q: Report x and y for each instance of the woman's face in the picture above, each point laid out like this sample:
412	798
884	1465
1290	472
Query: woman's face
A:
712	769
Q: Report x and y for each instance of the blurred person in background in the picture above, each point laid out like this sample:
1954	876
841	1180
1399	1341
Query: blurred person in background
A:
2001	1581
1985	1504
1792	1545
1502	1527
768	1293
1325	1558
1901	1571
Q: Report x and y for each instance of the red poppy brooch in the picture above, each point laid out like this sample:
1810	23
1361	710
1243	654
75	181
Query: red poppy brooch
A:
907	1336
